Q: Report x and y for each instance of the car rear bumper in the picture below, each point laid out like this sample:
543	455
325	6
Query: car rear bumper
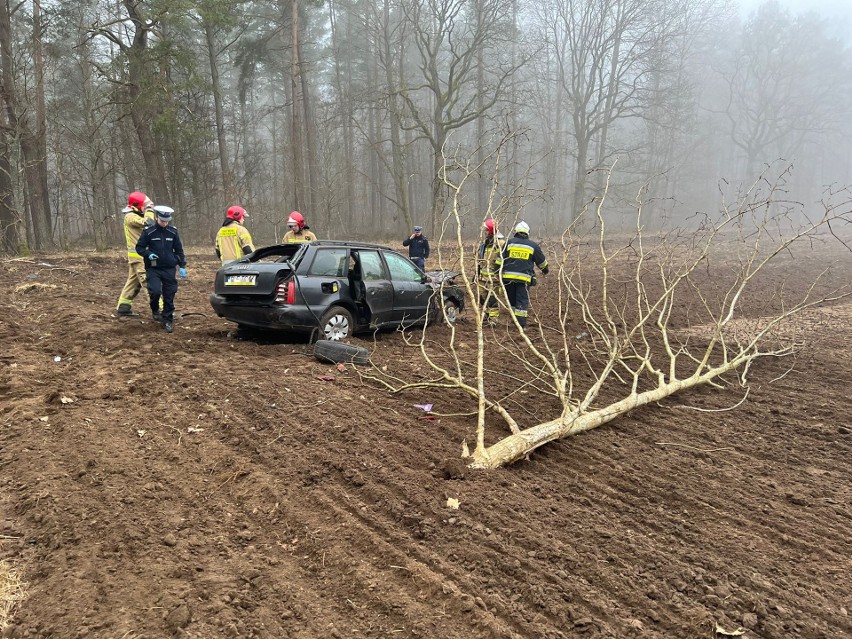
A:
292	318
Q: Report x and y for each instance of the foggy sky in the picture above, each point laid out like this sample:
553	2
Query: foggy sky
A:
838	11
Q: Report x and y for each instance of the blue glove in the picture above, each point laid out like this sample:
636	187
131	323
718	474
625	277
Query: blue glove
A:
182	272
152	257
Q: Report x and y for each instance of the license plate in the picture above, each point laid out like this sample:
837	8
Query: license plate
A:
240	280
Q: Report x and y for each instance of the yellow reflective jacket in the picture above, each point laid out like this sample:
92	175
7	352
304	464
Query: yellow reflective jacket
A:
133	225
486	262
302	236
231	240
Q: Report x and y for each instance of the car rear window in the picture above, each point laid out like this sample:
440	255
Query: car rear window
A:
278	253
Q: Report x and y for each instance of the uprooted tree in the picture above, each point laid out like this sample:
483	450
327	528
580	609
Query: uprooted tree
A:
634	317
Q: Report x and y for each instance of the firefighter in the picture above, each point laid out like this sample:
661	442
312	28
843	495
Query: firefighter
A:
233	240
488	272
138	214
299	231
163	251
418	247
517	263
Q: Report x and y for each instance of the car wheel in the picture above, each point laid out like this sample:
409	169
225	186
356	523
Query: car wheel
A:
451	311
337	353
336	324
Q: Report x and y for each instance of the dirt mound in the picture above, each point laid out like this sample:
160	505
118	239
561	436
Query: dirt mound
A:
199	486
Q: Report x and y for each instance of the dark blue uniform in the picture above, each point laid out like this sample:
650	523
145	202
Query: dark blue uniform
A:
418	250
518	261
165	242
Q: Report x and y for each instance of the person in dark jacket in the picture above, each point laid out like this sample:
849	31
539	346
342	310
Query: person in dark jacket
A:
517	263
418	247
162	250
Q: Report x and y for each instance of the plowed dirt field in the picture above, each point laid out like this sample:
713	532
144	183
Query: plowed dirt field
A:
193	485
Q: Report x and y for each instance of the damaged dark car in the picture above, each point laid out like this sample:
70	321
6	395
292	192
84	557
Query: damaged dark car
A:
336	288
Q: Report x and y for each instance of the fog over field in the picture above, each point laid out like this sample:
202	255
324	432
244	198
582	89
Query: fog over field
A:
363	115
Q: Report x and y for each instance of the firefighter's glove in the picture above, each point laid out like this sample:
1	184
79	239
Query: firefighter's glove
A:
182	273
152	257
545	270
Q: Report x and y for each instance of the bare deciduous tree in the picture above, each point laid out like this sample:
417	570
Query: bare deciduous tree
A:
639	318
448	39
786	84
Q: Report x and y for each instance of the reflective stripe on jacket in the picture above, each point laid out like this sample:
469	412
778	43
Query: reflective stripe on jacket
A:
231	240
489	251
519	258
133	225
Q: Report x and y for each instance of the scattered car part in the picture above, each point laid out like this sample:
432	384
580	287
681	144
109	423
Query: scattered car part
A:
336	352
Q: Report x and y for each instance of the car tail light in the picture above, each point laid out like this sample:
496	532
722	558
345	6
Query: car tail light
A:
285	293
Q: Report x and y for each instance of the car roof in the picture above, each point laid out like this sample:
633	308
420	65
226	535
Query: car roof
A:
348	244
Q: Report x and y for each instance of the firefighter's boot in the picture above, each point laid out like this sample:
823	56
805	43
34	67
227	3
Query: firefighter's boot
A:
124	310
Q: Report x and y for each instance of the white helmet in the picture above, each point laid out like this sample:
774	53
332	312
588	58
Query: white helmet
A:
522	227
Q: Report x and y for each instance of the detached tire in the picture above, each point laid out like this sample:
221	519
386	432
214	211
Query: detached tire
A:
328	351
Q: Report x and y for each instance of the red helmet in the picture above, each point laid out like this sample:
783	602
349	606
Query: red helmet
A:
490	225
236	213
296	218
137	200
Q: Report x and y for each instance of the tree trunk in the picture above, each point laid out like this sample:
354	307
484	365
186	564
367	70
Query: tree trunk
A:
343	82
311	148
224	164
296	121
579	201
40	134
13	237
143	108
400	173
481	178
36	195
439	137
516	446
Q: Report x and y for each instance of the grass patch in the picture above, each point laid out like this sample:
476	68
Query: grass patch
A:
12	592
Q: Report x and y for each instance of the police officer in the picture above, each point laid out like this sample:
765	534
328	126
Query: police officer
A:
418	247
487	271
138	214
162	250
518	261
233	240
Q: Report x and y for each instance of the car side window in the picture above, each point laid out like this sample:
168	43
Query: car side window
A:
401	269
329	263
371	266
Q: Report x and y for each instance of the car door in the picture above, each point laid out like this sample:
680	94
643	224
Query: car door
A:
411	292
326	272
377	289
